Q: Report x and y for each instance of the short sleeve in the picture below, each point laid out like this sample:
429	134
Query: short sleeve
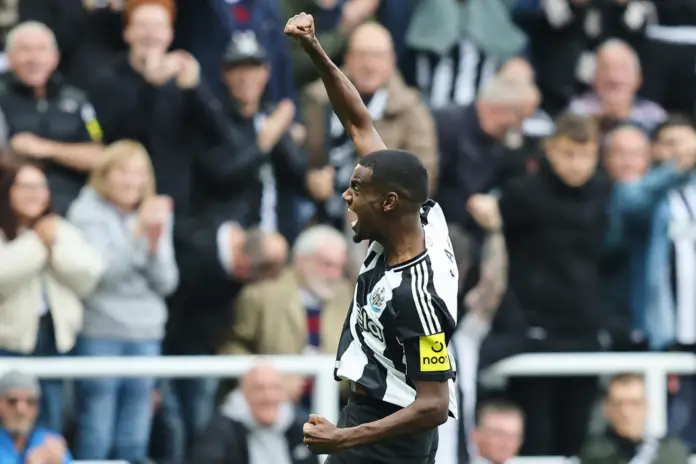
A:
423	327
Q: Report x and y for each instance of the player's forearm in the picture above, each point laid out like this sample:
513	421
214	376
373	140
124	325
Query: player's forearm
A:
344	97
420	416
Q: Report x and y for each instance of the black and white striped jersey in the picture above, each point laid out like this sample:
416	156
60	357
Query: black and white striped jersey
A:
401	319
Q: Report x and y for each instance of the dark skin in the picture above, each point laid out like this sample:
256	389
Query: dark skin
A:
392	221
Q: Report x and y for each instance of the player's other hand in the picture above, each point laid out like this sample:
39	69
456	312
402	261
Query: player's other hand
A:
321	436
301	27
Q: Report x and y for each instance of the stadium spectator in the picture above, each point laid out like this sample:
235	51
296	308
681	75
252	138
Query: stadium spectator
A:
22	440
499	433
131	227
458	46
255	425
157	99
671	137
44	119
215	262
624	440
204	29
614	99
471	141
668	51
335	21
301	311
525	143
636	193
89	35
260	184
554	224
402	120
47	268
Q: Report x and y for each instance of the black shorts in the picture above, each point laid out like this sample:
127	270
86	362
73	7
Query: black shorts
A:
419	448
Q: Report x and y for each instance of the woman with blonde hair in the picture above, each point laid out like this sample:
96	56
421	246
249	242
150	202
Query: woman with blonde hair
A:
121	215
46	267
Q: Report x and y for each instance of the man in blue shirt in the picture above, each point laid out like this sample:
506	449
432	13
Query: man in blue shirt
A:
21	442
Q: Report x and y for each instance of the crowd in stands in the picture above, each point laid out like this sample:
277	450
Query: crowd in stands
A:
171	175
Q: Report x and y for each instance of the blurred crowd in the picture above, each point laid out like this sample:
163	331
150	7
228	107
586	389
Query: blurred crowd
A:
170	184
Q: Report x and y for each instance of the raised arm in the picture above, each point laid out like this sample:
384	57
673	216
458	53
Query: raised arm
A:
345	99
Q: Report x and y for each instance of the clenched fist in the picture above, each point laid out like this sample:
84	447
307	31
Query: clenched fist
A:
301	27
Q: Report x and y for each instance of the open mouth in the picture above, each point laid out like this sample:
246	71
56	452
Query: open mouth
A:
354	224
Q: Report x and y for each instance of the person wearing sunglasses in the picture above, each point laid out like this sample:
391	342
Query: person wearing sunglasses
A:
20	439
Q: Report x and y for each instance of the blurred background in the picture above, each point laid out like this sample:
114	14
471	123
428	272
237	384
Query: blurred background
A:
170	186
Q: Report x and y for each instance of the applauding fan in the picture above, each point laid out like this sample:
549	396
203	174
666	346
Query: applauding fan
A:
132	228
45	268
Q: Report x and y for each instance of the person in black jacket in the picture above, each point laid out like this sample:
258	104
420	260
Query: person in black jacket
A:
554	223
157	98
255	425
256	175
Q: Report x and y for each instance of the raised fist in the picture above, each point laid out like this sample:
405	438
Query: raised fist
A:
301	27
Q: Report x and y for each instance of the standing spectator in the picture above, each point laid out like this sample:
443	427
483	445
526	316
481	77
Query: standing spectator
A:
614	100
44	119
564	35
47	268
554	224
525	143
157	99
335	20
132	228
670	310
260	182
471	141
458	46
255	425
22	440
311	298
499	433
625	440
668	53
215	261
402	120
204	29
636	193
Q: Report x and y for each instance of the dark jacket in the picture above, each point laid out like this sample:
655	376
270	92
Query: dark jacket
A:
62	116
175	125
201	308
228	184
468	160
225	440
555	235
609	448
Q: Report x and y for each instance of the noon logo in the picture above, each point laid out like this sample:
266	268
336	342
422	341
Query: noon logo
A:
433	353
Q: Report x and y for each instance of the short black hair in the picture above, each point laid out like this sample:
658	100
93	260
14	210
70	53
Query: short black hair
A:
398	171
673	120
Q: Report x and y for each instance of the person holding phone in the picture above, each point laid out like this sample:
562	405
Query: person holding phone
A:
121	215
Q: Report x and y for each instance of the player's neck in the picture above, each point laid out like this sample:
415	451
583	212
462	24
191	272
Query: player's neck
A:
404	240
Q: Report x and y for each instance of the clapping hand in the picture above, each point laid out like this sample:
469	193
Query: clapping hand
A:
154	212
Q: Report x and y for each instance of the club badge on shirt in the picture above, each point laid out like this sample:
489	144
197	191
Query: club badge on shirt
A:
433	353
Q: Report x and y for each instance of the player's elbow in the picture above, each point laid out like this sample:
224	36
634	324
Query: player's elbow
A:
433	411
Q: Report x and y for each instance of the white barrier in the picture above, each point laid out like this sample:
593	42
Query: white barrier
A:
325	393
655	367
